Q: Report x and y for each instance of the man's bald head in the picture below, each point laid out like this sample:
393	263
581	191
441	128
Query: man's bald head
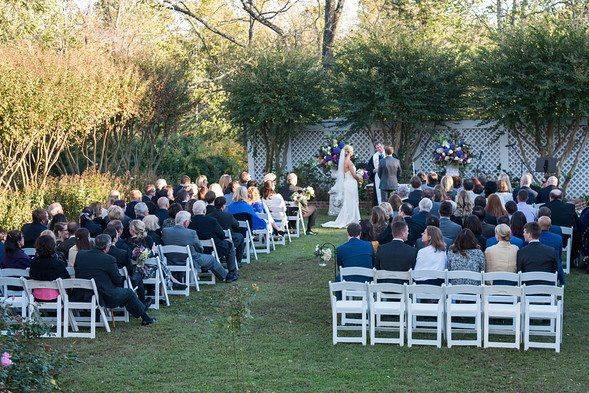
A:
545	223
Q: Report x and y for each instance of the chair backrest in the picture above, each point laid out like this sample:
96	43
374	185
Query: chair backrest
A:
506	290
390	275
76	283
567	230
14	272
347	286
207	243
464	289
30	251
490	277
543	290
357	271
154	261
227	233
6	282
30	285
422	275
173	249
545	277
386	288
465	274
432	292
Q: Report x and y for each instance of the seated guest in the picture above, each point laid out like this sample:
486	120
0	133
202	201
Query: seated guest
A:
98	214
233	188
355	253
32	230
437	199
254	199
54	209
447	184
432	180
225	183
396	255
510	207
516	224
163	204
423	177
477	188
98	265
272	199
240	206
57	218
46	266
503	191
172	211
525	184
516	241
388	209
118	241
87	221
481	201
227	221
457	184
180	235
65	245
202	181
148	197
490	188
153	228
468	186
61	235
465	254
216	189
494	209
473	223
375	225
395	202
552	240
308	210
416	193
488	230
464	205
121	256
14	256
136	198
184	182
535	256
522	206
544	194
433	255
244	177
202	191
544	211
424	208
207	227
141	211
82	243
160	189
209	200
449	229
434	222
563	214
118	213
502	256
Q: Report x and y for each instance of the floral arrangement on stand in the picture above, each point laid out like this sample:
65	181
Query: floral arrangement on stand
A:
303	197
452	151
329	154
324	253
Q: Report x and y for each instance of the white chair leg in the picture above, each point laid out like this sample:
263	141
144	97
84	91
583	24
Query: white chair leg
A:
66	323
448	330
104	320
558	337
364	320
372	327
409	329
402	328
93	319
518	331
334	327
59	326
526	332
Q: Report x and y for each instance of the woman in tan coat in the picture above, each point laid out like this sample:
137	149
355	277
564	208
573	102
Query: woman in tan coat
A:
502	257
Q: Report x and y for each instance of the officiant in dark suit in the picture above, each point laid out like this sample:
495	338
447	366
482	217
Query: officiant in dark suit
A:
389	170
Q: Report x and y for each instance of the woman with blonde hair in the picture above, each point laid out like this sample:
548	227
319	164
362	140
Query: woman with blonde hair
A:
241	207
202	181
503	191
447	184
502	257
463	209
153	228
254	199
225	183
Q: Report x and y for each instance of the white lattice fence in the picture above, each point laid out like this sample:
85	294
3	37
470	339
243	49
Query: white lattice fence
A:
492	152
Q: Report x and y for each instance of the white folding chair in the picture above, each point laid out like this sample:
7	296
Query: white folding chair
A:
463	301
40	306
186	272
263	238
250	246
30	251
344	306
160	291
298	219
382	275
475	278
14	298
568	249
546	278
424	275
345	272
387	300
543	302
209	243
14	273
500	278
282	222
503	302
434	307
69	316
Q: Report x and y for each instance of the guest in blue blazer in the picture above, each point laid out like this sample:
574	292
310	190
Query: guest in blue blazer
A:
355	253
555	241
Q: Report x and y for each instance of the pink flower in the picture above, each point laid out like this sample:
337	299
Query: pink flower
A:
5	360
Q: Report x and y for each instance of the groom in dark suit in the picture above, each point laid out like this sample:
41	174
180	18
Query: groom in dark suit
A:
389	169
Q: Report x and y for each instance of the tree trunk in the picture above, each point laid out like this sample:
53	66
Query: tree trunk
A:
333	11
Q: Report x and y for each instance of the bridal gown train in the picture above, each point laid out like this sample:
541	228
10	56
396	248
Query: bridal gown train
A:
350	211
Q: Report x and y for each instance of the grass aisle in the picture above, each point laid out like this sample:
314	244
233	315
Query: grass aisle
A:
287	345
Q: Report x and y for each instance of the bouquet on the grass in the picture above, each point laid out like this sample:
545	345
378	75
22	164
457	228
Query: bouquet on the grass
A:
329	155
303	196
452	150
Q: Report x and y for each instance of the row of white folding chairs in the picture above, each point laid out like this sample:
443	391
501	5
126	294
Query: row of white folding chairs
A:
408	303
447	276
297	219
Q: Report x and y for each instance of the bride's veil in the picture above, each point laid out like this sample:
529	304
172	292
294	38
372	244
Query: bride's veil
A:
338	187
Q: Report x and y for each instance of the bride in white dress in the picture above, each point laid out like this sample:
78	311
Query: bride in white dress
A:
346	190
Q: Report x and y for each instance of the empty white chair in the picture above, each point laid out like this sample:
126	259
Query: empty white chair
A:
345	306
425	275
385	275
366	275
159	283
14	298
185	272
434	307
504	302
69	317
475	278
250	247
210	277
463	301
14	273
543	302
568	249
386	300
30	251
543	278
40	306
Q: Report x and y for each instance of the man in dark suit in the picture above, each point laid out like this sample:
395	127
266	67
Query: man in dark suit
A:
535	257
396	255
98	265
552	240
562	214
32	230
355	252
309	211
207	227
163	204
544	194
389	169
525	184
136	197
449	228
543	211
416	194
227	221
64	246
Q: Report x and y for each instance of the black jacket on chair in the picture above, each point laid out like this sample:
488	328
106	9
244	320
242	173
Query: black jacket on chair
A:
31	232
536	257
95	264
207	227
562	214
226	220
395	256
47	269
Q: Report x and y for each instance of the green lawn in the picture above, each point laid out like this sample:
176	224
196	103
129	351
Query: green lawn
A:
286	346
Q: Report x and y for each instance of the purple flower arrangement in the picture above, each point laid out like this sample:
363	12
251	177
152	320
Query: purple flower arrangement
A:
452	151
329	154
